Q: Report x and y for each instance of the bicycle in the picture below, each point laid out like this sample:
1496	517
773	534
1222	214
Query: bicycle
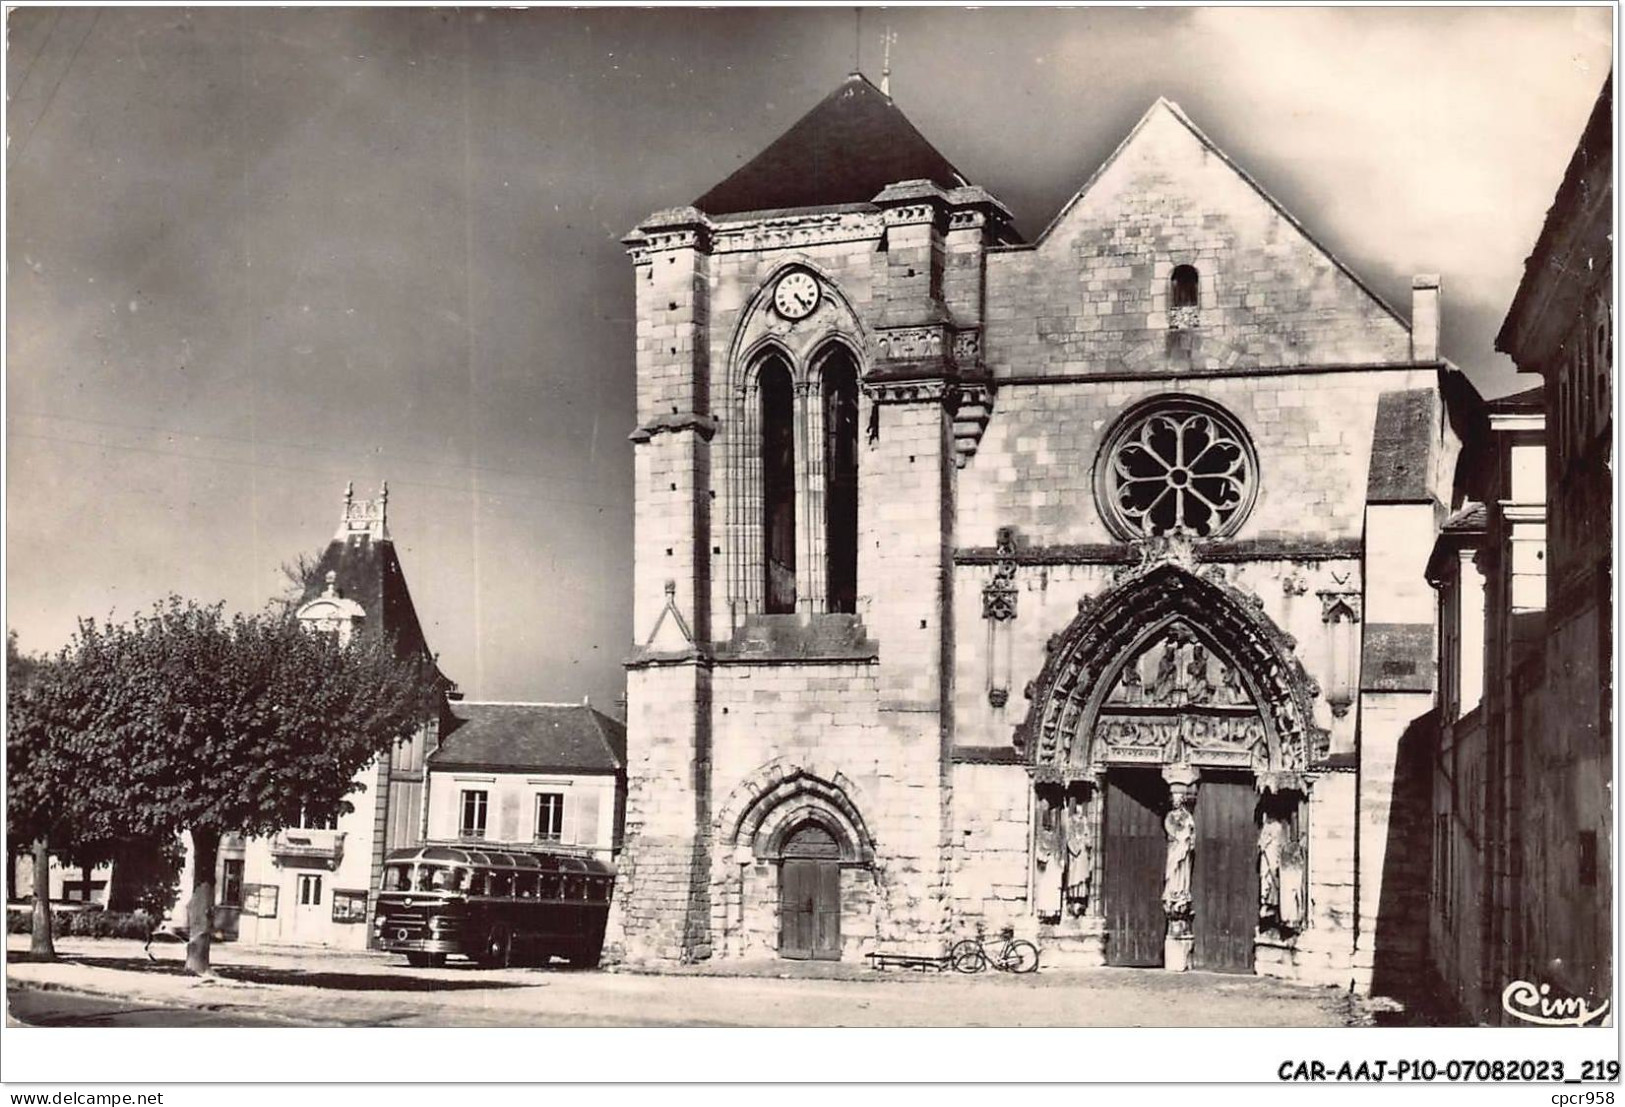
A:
971	955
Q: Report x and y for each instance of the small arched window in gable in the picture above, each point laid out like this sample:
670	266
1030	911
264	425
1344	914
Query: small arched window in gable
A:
778	486
1184	297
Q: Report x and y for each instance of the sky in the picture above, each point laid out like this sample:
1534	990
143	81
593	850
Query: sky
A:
255	253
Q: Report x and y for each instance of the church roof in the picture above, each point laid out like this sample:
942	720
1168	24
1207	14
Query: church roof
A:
530	737
845	150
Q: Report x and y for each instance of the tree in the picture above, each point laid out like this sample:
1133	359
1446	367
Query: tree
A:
221	726
59	795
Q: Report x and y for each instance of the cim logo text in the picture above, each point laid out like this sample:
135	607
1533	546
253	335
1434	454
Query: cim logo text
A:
1523	1000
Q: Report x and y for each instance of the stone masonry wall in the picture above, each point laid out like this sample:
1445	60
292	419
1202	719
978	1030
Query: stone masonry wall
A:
1035	467
1091	295
662	898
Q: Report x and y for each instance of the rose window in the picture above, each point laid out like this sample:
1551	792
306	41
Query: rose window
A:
1181	469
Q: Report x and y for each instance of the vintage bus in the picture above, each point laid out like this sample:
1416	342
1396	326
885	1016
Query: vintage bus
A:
497	906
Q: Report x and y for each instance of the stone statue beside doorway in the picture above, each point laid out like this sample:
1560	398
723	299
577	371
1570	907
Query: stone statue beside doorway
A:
1080	861
1271	840
1049	857
1180	826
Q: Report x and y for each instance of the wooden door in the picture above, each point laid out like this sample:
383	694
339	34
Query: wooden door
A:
810	897
1135	848
1224	877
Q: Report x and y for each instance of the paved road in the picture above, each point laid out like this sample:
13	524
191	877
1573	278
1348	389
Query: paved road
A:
313	987
37	1007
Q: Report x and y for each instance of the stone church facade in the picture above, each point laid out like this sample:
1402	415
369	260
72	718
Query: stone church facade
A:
1074	585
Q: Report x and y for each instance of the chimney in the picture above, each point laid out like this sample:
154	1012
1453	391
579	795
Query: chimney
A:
1425	317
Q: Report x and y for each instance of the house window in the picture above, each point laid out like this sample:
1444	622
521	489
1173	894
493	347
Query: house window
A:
1178	466
1184	297
1602	352
231	882
310	889
260	900
349	906
549	817
1588	858
1441	866
473	820
778	487
840	381
308	821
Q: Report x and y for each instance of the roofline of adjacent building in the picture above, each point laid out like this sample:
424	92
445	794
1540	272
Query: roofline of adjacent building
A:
1598	131
531	769
528	703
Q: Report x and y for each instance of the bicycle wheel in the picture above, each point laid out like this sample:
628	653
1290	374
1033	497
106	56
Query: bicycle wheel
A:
1019	956
967	956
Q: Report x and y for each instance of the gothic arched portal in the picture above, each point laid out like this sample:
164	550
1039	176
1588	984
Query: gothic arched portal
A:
1169	723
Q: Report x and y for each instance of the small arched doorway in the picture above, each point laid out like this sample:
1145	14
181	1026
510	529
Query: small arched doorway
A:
810	895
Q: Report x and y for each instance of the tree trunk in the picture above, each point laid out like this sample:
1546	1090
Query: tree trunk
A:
200	910
118	880
84	871
41	947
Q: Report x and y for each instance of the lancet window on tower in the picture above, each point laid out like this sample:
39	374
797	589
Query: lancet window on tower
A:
840	406
778	460
793	483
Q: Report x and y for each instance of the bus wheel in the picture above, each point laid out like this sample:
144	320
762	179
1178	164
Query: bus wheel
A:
417	960
498	948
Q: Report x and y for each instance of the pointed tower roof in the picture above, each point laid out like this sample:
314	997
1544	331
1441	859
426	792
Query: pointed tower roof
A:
844	151
360	566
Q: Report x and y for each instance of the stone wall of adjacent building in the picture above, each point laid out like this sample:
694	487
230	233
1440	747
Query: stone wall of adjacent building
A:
1567	810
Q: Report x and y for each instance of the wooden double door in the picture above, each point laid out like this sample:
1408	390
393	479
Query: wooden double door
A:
810	896
1224	876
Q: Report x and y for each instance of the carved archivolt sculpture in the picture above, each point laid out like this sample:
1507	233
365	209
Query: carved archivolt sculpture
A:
1170	668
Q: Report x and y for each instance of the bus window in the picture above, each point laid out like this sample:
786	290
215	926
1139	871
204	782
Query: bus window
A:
501	883
476	882
397	878
425	878
524	885
455	879
550	885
